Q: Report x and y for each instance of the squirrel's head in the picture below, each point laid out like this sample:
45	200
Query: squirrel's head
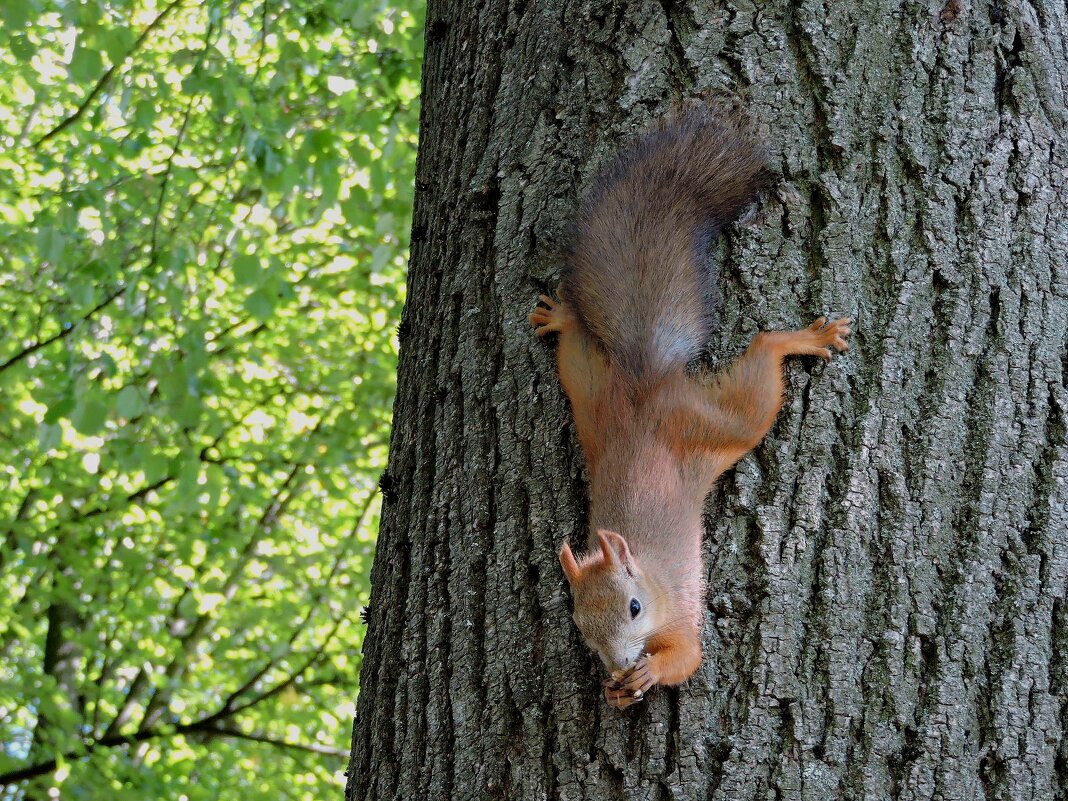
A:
614	601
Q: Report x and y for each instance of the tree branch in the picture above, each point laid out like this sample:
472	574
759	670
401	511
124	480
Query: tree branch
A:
105	79
206	726
63	333
294	677
180	137
230	704
311	748
160	698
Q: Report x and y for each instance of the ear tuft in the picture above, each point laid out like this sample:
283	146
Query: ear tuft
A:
572	571
615	550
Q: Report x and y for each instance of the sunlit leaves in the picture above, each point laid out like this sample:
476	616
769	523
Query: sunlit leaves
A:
203	216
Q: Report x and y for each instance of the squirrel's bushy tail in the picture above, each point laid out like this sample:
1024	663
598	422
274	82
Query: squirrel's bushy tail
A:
637	271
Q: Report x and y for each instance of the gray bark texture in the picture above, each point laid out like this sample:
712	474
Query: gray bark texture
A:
886	573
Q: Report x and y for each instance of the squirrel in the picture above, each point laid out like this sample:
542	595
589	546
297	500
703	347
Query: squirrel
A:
633	310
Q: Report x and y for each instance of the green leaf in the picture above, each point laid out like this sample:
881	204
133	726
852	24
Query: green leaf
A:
21	46
60	408
155	466
89	415
86	65
260	304
188	411
81	292
188	478
173	380
129	403
356	208
49	436
116	42
16	13
385	224
51	244
247	270
380	257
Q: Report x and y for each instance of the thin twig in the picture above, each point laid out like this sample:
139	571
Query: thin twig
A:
65	332
312	748
105	79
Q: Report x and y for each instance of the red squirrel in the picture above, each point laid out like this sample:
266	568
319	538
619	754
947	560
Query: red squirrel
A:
633	311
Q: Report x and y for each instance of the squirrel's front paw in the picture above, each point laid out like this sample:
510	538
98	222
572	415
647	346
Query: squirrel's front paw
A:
620	699
632	684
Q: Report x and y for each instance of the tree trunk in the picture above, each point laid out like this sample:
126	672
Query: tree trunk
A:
887	573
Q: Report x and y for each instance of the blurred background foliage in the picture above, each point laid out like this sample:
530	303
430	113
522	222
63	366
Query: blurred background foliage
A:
204	211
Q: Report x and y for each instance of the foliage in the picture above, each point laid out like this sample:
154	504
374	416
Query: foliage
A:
203	219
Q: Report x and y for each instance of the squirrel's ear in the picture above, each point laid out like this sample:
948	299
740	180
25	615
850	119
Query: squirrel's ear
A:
615	549
568	563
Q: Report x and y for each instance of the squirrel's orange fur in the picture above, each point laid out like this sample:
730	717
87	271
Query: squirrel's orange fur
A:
634	309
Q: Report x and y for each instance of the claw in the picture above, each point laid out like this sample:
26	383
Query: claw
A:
549	316
618	699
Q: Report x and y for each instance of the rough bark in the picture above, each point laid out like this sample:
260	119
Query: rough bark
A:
887	572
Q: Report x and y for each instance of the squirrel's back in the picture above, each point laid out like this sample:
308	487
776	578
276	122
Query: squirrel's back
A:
637	274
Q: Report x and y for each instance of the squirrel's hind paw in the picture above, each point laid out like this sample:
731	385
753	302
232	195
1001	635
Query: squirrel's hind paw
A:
823	335
557	317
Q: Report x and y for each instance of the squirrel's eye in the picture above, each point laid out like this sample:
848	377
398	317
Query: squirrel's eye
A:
635	608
